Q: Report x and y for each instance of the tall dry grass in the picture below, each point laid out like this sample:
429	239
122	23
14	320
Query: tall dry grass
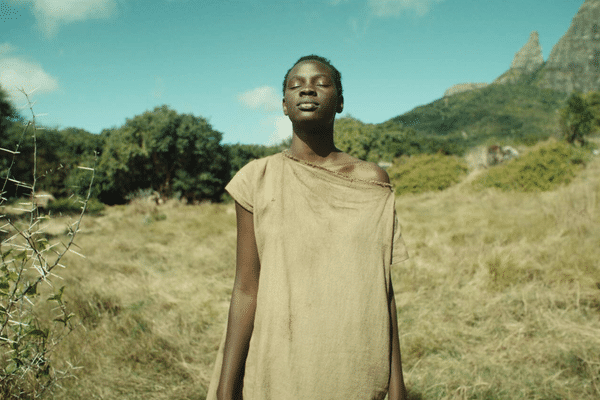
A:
499	300
152	296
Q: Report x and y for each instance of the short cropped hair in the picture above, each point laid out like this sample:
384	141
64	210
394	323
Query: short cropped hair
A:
335	74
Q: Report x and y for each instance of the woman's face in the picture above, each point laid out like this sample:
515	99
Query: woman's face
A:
311	95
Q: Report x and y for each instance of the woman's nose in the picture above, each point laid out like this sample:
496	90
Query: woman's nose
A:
307	90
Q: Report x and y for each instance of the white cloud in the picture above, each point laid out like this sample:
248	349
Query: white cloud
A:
281	128
6	48
50	14
393	8
264	98
16	73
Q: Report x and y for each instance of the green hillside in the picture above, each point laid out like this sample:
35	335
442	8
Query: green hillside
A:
499	114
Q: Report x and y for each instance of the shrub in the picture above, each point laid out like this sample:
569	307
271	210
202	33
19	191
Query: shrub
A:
426	172
540	170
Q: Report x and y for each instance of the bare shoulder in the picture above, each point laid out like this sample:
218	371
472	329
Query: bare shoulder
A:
365	170
372	172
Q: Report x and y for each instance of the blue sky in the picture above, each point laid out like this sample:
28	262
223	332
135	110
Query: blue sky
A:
96	63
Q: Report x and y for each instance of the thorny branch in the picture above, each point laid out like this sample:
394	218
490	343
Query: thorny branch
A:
17	314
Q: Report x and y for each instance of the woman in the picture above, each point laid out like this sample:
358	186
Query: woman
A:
312	312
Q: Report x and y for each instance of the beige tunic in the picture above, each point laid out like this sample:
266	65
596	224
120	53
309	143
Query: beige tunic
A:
325	243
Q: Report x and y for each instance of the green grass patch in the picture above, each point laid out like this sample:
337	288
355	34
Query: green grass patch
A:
426	173
542	169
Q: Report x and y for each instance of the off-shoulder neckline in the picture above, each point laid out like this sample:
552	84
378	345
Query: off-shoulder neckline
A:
289	155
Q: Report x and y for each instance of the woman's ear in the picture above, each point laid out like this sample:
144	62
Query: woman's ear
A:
285	110
340	105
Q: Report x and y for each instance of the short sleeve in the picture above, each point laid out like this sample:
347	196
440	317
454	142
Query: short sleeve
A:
399	252
241	186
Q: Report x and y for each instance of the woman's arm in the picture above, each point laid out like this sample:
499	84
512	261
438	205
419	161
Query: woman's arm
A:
241	310
397	389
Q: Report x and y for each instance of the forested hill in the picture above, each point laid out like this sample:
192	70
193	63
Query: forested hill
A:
499	113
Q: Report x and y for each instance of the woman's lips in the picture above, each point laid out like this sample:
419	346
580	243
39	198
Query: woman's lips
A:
308	106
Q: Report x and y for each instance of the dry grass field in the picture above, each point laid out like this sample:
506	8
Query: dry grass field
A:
499	300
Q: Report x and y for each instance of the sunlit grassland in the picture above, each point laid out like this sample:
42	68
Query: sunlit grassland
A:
152	295
499	300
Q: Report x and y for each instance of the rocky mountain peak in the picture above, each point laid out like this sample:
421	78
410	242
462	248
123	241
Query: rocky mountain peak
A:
530	57
574	63
527	60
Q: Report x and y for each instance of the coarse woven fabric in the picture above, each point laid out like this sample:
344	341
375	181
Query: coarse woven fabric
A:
326	243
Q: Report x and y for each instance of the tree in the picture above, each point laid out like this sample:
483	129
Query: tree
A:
12	130
7	140
8	114
170	153
73	147
593	100
576	119
382	142
241	154
355	137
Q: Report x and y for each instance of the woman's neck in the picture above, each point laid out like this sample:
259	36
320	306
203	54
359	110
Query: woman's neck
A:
314	145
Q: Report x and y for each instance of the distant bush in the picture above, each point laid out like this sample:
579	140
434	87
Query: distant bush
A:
73	206
540	170
426	172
